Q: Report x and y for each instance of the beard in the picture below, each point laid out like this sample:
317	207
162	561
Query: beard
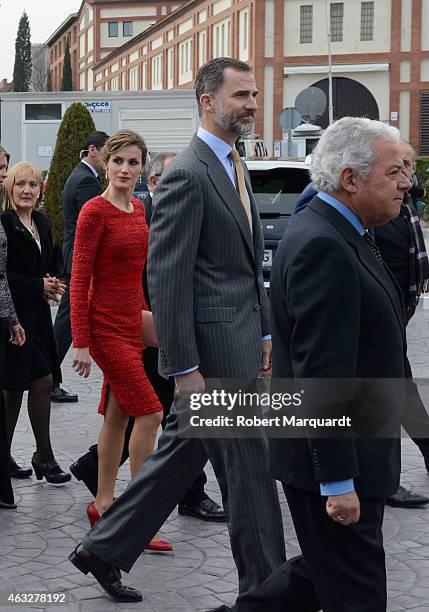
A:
232	124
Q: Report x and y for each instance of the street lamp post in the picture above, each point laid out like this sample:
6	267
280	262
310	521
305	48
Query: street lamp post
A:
328	32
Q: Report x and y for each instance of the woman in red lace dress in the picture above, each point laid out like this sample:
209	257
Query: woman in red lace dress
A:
107	300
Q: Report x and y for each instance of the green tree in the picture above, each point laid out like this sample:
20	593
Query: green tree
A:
67	80
48	80
75	127
22	67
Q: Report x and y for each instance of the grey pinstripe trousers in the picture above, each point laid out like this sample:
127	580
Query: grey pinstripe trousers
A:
249	497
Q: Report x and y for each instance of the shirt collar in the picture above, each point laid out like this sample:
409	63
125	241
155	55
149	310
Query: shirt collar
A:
93	170
343	210
219	147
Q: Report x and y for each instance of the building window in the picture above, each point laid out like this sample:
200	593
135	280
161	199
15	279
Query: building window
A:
244	35
127	28
144	76
86	18
185	61
114	84
306	23
202	48
157	72
367	21
337	15
170	62
132	78
113	29
222	39
43	112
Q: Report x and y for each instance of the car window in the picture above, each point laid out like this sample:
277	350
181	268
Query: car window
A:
277	190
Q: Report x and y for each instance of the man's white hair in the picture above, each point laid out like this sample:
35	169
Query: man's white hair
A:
347	143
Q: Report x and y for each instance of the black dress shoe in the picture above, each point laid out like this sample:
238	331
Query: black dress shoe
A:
50	470
105	574
6	506
60	395
405	499
205	510
89	479
16	471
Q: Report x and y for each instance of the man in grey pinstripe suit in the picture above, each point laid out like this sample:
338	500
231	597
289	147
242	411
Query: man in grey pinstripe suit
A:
212	318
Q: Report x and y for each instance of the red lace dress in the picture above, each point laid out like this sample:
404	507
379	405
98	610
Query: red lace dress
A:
107	300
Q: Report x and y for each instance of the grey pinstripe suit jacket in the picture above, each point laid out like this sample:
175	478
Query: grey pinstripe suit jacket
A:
7	308
204	269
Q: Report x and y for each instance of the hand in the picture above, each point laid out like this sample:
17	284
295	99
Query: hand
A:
17	335
186	384
81	361
266	362
344	509
51	286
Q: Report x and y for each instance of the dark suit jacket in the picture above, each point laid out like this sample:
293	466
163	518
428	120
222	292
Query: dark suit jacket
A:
81	186
26	267
394	241
205	269
336	313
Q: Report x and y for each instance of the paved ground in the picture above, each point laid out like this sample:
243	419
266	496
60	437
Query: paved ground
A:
200	574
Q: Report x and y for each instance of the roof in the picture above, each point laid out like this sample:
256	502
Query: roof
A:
61	29
116	1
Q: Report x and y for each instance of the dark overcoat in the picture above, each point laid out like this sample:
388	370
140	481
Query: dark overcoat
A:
26	268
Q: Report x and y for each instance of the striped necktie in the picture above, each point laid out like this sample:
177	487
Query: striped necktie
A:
373	246
241	183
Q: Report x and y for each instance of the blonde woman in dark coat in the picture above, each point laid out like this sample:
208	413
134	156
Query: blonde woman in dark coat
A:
30	274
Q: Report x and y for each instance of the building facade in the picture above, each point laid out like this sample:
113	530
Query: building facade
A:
56	43
380	55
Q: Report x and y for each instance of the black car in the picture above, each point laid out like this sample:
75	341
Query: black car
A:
276	185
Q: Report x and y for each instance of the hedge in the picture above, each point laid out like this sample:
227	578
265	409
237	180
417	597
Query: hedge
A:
75	128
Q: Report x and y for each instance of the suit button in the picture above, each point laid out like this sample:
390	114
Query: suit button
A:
257	307
315	452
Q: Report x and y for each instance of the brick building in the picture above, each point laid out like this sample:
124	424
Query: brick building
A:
380	55
56	44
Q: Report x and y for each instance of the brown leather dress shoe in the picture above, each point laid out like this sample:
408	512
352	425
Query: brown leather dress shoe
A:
105	574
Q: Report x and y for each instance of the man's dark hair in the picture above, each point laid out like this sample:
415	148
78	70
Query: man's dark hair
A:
211	77
96	139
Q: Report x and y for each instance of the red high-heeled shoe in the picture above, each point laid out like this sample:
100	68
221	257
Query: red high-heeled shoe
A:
92	514
159	546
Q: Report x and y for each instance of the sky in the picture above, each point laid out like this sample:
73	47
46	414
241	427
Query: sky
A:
45	16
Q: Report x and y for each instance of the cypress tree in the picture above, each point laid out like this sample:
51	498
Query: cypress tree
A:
22	67
75	128
67	79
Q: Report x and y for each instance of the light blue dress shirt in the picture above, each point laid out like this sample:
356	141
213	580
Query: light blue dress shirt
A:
340	487
221	149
